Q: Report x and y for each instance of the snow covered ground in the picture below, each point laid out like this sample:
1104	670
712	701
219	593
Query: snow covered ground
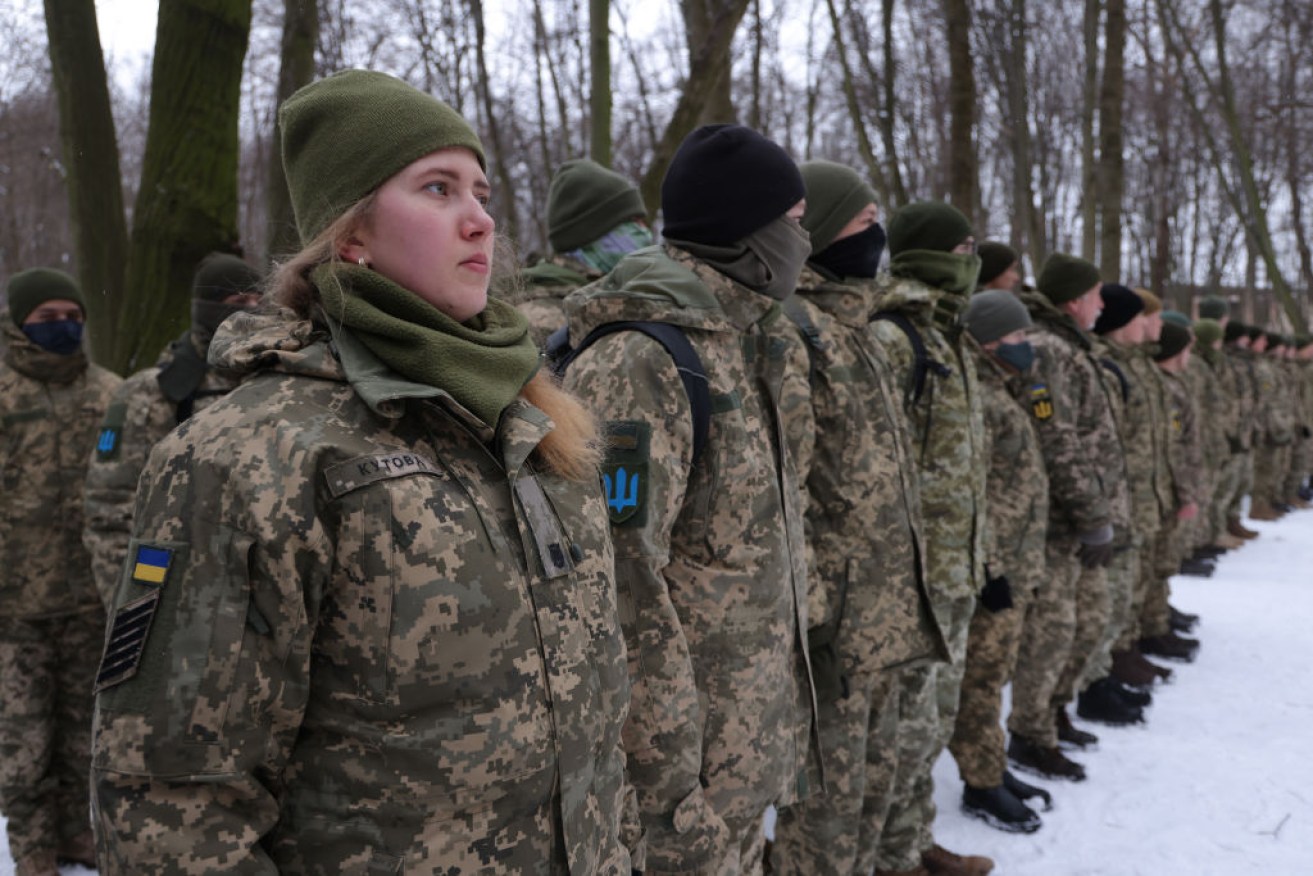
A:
1220	780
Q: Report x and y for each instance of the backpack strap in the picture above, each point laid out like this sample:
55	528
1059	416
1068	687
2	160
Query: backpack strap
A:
922	362
672	338
1121	378
811	335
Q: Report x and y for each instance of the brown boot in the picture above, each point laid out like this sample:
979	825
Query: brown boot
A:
1261	509
1130	671
40	862
915	871
939	860
1227	542
1239	530
1162	672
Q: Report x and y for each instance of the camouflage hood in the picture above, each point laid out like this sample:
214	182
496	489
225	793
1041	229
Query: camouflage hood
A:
1045	311
665	284
852	302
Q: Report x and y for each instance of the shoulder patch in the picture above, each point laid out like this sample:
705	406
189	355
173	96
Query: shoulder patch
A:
127	640
1041	401
111	430
625	471
363	470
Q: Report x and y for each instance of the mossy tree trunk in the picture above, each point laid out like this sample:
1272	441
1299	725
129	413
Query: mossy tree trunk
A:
296	68
1112	163
963	163
599	60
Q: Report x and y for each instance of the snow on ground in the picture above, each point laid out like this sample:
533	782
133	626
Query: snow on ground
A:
1220	780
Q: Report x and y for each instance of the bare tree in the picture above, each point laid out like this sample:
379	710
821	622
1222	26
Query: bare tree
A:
296	68
963	163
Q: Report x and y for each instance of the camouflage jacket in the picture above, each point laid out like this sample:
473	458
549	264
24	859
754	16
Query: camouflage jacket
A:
540	292
1142	430
710	559
358	632
1184	446
1082	450
50	406
947	428
867	595
1017	489
1236	383
139	415
1213	412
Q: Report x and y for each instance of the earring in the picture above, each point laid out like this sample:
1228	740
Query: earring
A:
361	261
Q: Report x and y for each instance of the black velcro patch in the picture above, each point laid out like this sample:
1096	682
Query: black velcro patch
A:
625	471
126	641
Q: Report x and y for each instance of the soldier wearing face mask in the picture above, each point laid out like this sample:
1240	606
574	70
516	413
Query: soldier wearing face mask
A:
51	621
151	403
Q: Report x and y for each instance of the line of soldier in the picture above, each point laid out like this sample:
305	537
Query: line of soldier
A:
847	507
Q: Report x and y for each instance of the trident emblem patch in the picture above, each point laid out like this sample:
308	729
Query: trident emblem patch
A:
625	487
1041	402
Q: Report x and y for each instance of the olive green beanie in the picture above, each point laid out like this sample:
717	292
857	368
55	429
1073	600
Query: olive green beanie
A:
995	258
1214	307
220	275
1174	339
585	201
1065	278
931	225
28	290
344	136
835	194
1207	331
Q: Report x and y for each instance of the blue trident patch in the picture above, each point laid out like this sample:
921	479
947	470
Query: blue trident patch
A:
107	442
625	488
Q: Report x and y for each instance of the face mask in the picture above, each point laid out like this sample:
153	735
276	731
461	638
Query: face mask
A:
63	336
1020	356
606	252
855	256
782	247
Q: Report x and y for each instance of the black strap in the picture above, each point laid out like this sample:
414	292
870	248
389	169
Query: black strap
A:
922	362
1121	378
694	377
794	310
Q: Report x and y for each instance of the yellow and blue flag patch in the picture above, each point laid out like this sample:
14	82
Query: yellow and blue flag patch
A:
152	564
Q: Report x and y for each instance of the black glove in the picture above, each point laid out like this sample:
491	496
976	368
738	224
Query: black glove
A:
996	595
828	681
1093	556
1305	432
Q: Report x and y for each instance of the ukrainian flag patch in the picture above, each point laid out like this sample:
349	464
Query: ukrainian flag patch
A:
151	565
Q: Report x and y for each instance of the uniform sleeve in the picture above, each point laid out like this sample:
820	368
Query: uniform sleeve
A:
631	384
205	677
1075	488
1192	457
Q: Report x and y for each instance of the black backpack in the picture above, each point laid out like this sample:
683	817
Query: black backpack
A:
922	364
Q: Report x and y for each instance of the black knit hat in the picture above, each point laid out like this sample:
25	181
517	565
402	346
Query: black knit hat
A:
1214	307
1234	331
220	275
1255	332
725	182
1065	278
28	290
1275	339
995	258
1174	339
931	225
585	201
1120	306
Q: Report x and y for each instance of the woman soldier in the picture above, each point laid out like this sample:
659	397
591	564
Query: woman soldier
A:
367	622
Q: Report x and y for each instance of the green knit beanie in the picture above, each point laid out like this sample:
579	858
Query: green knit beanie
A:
1174	339
995	258
346	135
994	313
931	225
220	275
1177	317
1207	331
1214	307
585	201
1065	278
835	194
28	290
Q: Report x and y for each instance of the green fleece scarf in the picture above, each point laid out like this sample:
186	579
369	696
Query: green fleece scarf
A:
41	365
482	363
949	272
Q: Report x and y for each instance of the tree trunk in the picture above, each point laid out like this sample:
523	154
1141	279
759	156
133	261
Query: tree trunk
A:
887	114
187	203
505	186
599	59
296	69
700	19
1112	169
91	160
1089	200
1030	235
963	164
864	146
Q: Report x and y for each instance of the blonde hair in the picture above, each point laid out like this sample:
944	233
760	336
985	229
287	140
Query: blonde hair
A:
1152	303
572	449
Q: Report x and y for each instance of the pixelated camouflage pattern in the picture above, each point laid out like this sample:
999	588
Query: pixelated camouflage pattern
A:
1301	464
539	292
1140	425
1046	636
363	659
1185	444
712	575
50	407
1273	400
112	480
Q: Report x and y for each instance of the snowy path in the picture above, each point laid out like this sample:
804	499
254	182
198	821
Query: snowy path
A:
1220	781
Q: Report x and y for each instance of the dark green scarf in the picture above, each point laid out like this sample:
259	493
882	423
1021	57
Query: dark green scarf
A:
482	363
949	272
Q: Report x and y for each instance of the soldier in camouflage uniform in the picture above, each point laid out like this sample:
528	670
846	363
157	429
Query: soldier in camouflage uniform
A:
150	404
594	217
1238	477
51	621
867	603
1302	456
1018	493
1218	414
1077	439
710	546
368	619
1276	430
933	273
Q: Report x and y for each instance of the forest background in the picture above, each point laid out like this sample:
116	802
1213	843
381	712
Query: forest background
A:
1167	140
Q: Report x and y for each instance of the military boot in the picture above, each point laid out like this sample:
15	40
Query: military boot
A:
1047	763
915	871
1101	702
81	849
1171	646
1131	671
941	862
1072	735
1227	542
1197	568
999	808
1023	791
1239	530
1261	509
39	862
1182	621
1132	695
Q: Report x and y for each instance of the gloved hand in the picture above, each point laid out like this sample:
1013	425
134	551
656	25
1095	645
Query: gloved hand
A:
1095	547
996	595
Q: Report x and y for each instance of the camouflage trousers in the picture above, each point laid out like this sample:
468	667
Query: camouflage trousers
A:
1122	574
1093	606
978	743
838	832
928	712
1301	464
1141	571
1246	486
1229	490
1046	639
1163	562
47	669
1270	465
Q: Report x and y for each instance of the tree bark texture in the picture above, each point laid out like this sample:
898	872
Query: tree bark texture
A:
599	58
963	163
1112	168
296	68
